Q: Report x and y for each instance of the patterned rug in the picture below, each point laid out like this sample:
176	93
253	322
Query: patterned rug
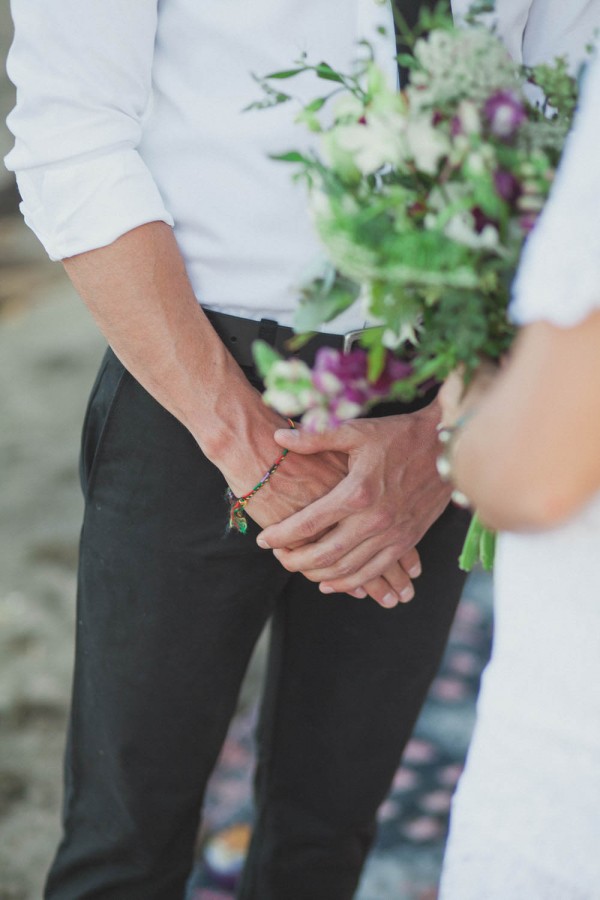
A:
405	861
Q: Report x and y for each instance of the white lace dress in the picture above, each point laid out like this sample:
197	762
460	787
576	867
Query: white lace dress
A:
526	817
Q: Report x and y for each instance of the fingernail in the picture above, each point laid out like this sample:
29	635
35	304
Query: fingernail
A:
407	594
325	589
359	593
262	543
415	571
389	600
286	434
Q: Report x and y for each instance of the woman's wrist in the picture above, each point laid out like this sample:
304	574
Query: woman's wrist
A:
449	437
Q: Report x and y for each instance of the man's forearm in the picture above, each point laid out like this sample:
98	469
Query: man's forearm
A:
138	291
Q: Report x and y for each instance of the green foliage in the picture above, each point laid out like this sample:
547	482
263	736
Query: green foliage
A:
264	357
559	87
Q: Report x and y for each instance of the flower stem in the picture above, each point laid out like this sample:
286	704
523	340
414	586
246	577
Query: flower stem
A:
479	546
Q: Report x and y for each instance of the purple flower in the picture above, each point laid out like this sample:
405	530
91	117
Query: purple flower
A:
395	370
508	186
480	220
344	376
505	113
456	126
344	366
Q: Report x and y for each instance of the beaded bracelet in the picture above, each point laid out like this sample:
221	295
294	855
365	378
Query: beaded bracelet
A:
237	519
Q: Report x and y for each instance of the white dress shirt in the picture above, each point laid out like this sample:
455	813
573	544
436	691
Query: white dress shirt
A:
130	111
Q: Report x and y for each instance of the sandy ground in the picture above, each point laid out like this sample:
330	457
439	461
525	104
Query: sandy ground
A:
49	350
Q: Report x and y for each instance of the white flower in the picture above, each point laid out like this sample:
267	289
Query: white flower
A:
468	62
328	383
426	145
291	370
407	332
348	107
347	409
461	228
368	147
285	402
469	118
475	163
317	419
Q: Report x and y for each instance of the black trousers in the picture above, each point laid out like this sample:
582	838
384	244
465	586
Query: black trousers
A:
169	610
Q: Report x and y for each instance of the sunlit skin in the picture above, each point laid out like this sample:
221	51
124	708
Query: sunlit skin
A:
529	457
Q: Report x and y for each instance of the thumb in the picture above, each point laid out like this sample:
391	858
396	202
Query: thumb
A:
312	441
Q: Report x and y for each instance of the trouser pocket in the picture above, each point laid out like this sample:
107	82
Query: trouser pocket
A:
97	415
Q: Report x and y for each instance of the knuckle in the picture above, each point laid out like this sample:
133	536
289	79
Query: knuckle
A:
361	497
342	570
383	519
329	557
309	527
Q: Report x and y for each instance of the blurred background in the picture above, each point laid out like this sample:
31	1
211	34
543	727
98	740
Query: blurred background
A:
49	352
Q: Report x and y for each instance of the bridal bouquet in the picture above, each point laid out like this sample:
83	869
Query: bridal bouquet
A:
422	200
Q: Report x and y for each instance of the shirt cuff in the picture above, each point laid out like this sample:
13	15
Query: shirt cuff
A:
89	203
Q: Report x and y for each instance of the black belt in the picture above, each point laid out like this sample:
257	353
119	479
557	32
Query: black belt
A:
239	334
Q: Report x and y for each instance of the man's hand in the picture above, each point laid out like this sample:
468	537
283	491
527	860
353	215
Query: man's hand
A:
377	514
300	480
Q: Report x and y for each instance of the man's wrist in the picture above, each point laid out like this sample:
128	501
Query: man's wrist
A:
238	437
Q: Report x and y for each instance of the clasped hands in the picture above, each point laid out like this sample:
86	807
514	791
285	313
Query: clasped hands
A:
360	537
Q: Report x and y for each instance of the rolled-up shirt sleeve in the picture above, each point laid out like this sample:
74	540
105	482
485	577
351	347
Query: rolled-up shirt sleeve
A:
83	73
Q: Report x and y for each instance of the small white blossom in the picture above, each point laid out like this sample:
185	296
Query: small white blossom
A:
328	383
426	145
468	115
347	409
348	107
468	62
476	163
285	402
368	147
317	419
291	370
461	228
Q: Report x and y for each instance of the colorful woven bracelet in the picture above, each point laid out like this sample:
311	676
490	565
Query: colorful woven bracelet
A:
237	505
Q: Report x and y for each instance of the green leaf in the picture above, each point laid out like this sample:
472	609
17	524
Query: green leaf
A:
316	105
471	547
286	73
298	341
264	357
407	61
324	299
487	549
376	362
325	71
293	156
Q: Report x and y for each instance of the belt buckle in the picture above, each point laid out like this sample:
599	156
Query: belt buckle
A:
352	337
